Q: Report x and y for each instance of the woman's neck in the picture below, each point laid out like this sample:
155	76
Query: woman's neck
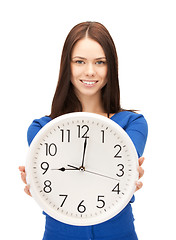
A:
92	104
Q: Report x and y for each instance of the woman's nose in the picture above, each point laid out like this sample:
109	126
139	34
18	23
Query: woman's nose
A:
90	71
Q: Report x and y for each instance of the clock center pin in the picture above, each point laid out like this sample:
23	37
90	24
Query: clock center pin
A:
82	169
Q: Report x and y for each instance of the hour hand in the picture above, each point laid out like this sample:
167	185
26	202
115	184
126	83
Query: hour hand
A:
63	169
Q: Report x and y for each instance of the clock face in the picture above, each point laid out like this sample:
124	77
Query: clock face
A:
82	168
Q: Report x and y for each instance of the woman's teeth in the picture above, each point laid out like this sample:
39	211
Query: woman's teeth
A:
88	82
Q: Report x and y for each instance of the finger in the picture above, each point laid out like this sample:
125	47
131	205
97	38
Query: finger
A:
138	185
22	168
141	172
141	160
23	177
27	191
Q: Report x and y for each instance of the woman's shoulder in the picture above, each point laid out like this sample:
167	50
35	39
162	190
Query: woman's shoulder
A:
135	126
128	115
129	119
35	127
41	121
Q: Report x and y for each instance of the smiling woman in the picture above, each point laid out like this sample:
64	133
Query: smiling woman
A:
89	71
89	60
88	82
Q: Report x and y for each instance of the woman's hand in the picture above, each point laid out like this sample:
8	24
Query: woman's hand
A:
23	177
141	173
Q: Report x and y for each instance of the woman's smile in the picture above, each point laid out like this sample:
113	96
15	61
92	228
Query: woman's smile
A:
89	83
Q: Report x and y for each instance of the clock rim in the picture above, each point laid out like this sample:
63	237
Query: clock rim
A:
44	206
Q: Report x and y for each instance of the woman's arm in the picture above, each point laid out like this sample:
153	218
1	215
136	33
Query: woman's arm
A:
33	129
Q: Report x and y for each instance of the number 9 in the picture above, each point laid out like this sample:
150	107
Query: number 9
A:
44	166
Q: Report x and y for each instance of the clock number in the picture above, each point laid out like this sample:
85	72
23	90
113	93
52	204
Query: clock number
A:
121	170
116	188
47	188
65	197
117	154
101	201
44	166
81	208
102	131
86	129
63	135
51	149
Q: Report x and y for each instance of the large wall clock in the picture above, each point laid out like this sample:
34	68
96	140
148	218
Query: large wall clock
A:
82	168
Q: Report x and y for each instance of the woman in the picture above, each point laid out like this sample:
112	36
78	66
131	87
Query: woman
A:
88	82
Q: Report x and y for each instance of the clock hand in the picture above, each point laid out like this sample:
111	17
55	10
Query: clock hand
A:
83	169
84	150
101	175
64	169
76	168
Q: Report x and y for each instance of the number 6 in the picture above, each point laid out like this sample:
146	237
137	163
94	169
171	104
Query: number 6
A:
81	208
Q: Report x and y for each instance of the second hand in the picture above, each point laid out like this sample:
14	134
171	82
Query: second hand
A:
101	175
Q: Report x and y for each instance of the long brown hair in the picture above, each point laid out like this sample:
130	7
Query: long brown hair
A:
65	99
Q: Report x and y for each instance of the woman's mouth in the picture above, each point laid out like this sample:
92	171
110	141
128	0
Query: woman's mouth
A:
89	83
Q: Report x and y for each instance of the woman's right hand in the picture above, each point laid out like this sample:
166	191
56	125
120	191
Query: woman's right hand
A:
23	177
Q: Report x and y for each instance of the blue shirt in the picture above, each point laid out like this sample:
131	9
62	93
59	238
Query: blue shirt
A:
120	227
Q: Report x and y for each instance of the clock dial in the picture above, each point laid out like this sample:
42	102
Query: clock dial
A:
82	168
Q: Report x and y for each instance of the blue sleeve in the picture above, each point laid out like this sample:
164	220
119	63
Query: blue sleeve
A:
35	127
137	129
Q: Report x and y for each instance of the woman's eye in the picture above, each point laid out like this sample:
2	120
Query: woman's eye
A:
79	62
100	62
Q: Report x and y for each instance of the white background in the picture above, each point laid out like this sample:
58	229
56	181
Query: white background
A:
32	36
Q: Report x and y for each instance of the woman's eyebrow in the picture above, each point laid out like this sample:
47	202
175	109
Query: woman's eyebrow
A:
78	57
100	58
86	58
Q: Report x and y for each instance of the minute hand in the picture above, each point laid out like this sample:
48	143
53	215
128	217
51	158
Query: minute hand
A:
84	150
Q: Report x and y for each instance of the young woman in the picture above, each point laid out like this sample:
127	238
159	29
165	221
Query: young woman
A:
88	82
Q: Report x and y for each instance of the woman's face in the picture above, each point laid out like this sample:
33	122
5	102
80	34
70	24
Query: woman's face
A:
88	68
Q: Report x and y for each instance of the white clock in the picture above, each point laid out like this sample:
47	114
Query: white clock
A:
82	168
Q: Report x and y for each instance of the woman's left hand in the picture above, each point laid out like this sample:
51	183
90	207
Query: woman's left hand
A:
141	173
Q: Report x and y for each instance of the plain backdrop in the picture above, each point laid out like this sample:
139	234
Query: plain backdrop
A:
32	34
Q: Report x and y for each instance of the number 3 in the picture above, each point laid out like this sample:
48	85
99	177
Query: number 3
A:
121	170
